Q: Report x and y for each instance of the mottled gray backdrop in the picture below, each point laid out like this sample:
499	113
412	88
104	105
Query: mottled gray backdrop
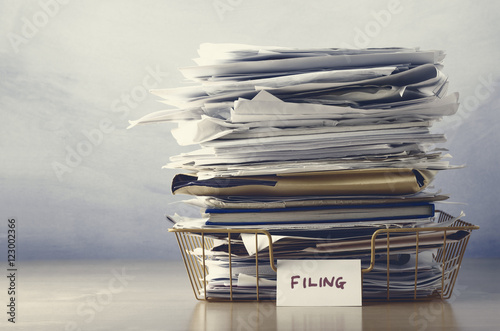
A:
74	72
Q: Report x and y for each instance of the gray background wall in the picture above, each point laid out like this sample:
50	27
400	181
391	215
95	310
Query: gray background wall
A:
74	72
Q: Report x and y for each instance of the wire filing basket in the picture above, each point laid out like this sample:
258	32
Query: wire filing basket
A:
449	255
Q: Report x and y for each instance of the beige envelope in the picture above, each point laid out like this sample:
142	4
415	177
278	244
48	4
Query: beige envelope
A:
381	181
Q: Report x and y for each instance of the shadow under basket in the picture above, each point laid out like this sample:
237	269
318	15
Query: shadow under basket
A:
449	256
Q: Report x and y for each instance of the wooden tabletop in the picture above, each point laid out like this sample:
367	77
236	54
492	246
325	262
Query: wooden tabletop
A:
156	295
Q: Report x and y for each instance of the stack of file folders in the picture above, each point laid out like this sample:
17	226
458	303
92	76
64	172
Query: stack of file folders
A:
320	147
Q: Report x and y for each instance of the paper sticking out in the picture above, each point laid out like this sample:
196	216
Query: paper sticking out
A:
262	242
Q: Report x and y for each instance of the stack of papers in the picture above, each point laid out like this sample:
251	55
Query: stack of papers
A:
402	276
321	147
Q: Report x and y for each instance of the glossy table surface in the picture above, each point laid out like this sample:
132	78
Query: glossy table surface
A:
156	295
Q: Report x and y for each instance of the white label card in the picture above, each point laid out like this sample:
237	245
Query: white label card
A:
319	283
